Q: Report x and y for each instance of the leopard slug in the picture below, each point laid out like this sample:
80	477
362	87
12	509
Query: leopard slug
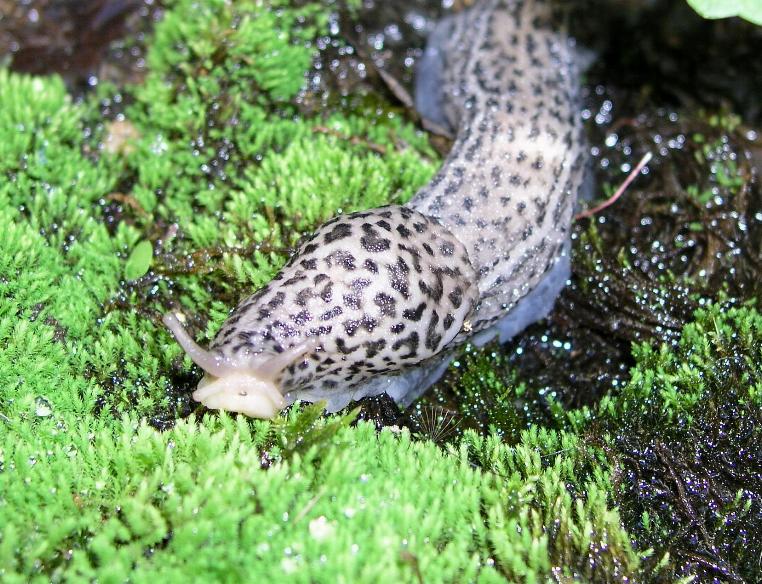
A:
376	301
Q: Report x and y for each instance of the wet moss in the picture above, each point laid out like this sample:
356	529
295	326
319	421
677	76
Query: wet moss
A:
686	432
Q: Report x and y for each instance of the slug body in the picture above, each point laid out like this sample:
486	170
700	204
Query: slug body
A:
376	301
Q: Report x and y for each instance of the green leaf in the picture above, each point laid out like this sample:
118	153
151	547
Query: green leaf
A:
751	10
139	261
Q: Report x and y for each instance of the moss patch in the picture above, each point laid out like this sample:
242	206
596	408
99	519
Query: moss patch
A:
109	501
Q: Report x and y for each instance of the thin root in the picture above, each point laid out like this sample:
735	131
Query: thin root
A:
619	192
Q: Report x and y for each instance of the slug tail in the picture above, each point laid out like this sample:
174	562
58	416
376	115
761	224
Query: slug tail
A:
212	364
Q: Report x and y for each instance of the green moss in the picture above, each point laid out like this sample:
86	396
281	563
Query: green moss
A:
109	501
686	430
554	514
719	357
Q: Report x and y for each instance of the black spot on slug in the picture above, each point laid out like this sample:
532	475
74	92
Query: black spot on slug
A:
414	315
351	326
341	258
456	297
398	276
327	293
358	284
373	348
295	279
321	330
371	241
339	231
333	313
411	342
387	304
277	300
432	336
301	317
352	301
343	348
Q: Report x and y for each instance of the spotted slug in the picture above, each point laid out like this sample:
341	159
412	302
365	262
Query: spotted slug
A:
377	301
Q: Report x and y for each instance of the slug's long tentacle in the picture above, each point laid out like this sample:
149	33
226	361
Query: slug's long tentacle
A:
274	365
212	364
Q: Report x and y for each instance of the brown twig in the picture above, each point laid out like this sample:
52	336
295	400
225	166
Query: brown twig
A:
725	570
619	192
130	201
354	140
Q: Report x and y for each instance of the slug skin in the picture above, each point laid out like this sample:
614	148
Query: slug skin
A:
377	300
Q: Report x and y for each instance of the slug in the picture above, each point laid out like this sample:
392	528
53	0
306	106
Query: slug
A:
377	301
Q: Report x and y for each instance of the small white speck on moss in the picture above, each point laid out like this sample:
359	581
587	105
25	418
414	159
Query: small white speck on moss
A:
42	407
321	529
288	565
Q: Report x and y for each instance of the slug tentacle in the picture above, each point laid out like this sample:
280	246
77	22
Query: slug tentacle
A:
213	364
276	363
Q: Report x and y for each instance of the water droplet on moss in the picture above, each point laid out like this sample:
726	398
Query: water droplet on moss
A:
42	407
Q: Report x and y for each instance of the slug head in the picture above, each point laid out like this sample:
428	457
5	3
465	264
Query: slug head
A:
244	385
242	392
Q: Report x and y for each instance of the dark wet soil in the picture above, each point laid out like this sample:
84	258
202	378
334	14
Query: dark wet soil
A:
86	42
704	492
